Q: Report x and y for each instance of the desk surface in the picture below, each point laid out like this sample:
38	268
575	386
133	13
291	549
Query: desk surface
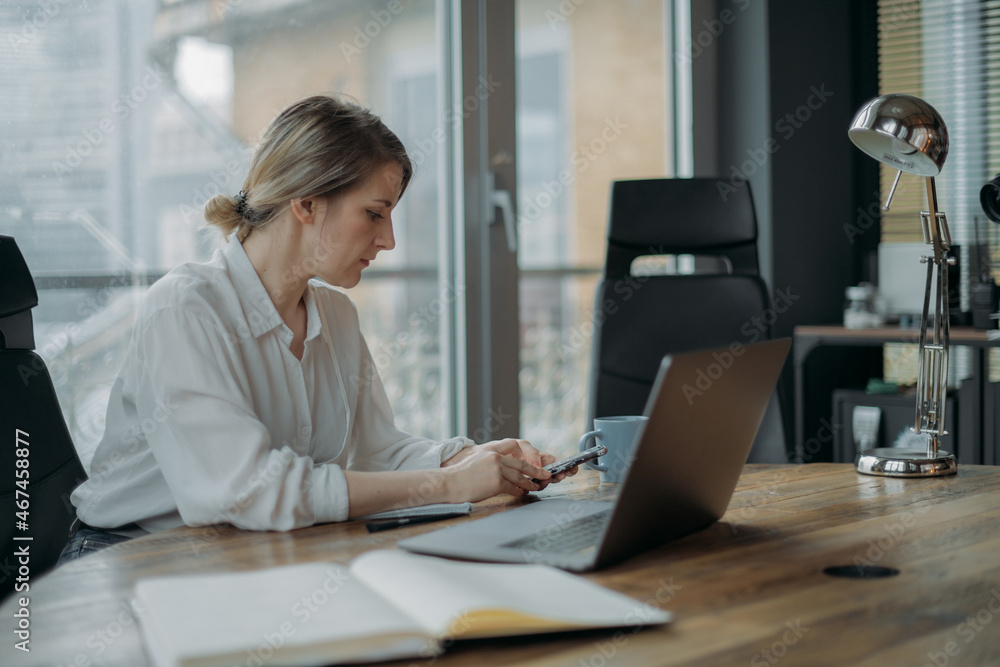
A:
749	589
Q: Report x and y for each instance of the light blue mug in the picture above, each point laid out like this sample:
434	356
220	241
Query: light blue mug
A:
619	435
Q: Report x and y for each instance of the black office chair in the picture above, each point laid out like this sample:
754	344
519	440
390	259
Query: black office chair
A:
639	318
34	436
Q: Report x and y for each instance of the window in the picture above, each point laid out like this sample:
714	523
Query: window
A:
120	120
584	119
947	53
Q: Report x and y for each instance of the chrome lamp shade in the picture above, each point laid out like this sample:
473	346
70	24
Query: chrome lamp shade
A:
902	131
907	133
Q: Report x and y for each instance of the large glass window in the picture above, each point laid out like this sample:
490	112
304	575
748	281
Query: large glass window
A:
119	120
591	109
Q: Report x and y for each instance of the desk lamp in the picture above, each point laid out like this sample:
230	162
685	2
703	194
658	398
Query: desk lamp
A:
907	133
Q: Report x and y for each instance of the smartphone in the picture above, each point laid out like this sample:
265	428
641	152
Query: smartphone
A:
575	460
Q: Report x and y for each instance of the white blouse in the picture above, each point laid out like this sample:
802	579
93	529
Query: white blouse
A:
213	419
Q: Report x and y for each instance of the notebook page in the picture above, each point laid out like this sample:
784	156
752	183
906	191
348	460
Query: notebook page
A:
309	614
444	595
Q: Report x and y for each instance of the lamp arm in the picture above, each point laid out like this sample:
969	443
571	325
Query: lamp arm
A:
932	368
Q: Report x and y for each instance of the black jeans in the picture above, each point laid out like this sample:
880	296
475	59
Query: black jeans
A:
87	540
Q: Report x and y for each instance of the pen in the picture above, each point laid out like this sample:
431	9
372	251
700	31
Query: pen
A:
375	526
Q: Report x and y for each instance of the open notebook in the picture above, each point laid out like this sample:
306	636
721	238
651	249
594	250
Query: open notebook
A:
386	605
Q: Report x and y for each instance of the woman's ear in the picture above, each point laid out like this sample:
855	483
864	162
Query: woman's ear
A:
305	209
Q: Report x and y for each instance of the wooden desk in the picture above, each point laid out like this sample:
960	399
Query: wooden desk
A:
747	590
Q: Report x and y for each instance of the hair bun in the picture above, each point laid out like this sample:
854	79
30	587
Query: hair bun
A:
220	211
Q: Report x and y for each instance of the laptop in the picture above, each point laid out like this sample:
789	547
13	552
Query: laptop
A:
704	411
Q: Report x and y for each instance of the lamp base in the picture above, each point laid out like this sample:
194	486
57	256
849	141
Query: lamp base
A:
905	462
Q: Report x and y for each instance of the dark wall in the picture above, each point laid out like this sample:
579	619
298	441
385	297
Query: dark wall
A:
816	89
791	74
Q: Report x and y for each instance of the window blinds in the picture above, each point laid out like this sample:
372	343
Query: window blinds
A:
948	53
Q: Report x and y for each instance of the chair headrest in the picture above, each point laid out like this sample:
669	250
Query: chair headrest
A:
684	214
674	216
18	293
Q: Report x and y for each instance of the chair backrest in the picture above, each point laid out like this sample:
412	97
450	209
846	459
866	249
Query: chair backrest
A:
640	318
680	216
33	503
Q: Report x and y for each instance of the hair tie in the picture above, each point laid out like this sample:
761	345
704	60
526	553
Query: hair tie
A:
241	202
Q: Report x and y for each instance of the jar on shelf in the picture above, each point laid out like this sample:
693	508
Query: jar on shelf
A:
863	308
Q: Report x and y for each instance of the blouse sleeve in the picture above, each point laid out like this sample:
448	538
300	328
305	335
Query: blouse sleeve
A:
378	444
216	456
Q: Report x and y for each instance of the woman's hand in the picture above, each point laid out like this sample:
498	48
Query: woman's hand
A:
472	474
533	456
500	466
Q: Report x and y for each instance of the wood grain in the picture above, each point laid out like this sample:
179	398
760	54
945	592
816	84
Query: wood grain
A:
748	590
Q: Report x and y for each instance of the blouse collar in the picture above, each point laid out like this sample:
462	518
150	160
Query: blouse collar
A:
262	316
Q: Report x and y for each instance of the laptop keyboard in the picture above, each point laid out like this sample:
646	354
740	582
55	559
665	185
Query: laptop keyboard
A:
577	535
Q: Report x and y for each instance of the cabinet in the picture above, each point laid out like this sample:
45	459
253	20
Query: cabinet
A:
818	434
896	414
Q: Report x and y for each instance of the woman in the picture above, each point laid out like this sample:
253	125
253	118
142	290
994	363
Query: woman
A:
248	394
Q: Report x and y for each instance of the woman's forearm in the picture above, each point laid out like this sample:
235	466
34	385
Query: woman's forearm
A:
370	492
471	475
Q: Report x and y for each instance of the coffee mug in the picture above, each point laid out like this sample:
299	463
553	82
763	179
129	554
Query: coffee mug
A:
619	435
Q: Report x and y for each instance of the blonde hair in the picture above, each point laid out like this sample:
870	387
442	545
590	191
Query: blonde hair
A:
320	146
